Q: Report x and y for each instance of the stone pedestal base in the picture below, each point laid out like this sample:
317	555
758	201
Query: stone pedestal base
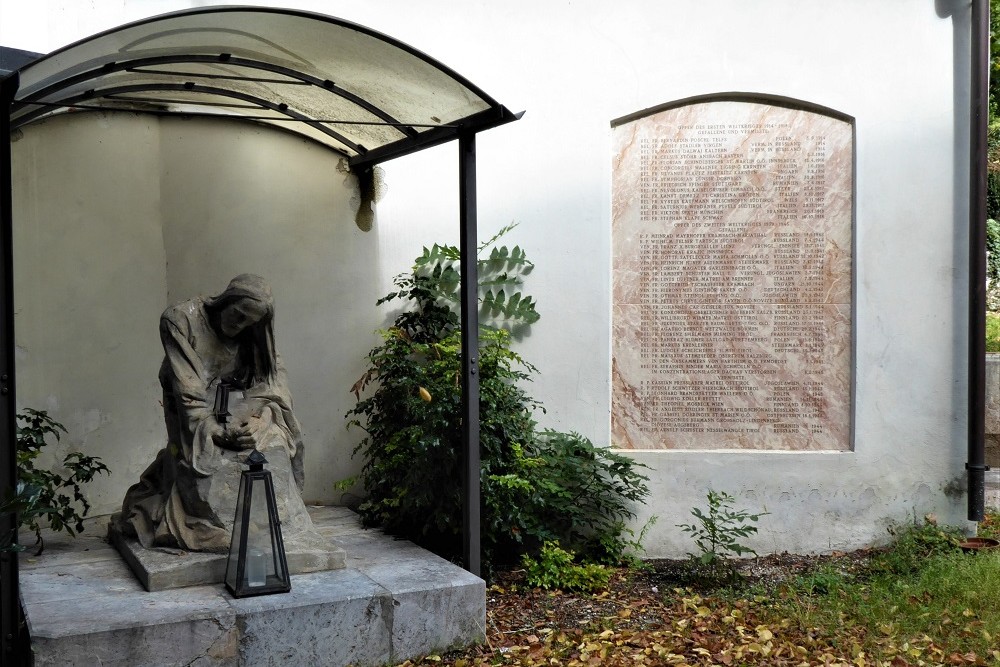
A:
162	569
393	601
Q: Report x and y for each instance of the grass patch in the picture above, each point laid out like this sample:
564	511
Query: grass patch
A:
921	601
992	331
922	598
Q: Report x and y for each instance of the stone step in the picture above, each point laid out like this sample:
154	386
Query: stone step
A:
392	601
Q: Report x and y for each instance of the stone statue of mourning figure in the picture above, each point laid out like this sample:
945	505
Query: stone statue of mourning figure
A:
186	499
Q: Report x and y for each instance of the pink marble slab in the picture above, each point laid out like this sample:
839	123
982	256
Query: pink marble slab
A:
732	285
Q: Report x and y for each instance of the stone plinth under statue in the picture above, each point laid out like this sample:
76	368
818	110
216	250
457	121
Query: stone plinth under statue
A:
176	523
392	601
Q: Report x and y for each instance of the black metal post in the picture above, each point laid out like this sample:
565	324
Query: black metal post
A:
10	609
980	58
470	353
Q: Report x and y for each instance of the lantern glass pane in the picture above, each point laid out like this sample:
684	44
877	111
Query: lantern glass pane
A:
232	567
260	544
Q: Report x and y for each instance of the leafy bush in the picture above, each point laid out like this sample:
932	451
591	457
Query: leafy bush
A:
992	332
555	569
563	488
24	503
42	494
412	451
992	261
535	487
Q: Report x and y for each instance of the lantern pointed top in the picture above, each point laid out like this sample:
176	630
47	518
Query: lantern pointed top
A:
256	460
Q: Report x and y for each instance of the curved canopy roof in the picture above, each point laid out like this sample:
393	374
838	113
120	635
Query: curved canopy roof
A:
357	91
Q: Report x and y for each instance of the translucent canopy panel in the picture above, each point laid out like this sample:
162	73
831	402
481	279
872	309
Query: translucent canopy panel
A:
355	90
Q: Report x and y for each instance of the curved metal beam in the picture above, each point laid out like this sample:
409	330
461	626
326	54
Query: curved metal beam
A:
189	87
224	59
484	120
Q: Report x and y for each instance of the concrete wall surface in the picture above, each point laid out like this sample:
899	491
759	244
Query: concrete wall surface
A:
217	195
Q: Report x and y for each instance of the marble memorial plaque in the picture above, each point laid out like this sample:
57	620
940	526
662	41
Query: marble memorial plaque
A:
732	259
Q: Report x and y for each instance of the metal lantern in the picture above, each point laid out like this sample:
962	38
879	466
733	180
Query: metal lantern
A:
257	564
221	407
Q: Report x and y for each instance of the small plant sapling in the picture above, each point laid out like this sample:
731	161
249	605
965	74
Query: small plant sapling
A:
719	532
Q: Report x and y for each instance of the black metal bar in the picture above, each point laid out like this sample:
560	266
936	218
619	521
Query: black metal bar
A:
10	609
468	246
477	122
736	96
202	103
190	87
221	77
126	64
980	54
153	100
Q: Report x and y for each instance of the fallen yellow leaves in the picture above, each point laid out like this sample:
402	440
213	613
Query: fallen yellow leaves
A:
535	629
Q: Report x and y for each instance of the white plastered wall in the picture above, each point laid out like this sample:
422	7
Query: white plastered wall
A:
89	283
900	68
119	215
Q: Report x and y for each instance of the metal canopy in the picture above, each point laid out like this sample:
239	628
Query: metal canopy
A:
357	91
360	93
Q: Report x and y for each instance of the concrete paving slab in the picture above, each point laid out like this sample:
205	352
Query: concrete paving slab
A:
391	602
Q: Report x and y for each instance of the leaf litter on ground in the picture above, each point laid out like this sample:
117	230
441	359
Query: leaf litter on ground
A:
656	615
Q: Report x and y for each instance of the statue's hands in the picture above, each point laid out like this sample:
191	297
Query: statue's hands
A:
238	436
219	435
245	435
235	437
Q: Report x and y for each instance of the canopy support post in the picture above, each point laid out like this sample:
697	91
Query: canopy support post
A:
468	246
10	607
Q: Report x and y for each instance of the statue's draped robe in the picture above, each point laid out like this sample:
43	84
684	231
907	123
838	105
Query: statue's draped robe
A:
187	497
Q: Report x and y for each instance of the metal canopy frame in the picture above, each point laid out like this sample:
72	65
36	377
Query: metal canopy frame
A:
117	71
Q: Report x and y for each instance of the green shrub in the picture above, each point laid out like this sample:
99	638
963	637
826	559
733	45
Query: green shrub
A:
567	490
24	503
41	497
992	332
992	273
555	569
412	450
535	487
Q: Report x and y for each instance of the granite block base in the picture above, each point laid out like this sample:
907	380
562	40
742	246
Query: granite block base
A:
392	601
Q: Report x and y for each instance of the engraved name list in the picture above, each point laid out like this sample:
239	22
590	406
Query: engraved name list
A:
732	279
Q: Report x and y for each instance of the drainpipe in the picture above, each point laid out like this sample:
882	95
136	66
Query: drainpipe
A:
978	93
